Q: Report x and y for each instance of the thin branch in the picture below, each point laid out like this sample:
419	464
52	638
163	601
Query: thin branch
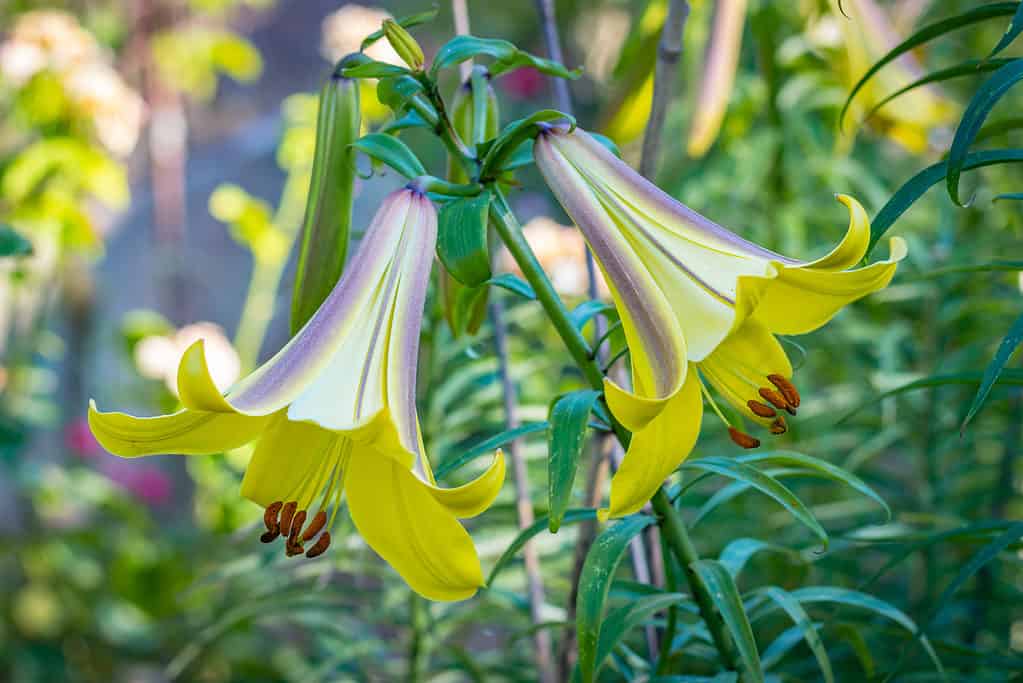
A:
669	52
562	95
460	10
523	502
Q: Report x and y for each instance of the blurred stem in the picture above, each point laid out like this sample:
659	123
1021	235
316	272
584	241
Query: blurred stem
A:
549	21
523	502
669	51
764	23
258	309
668	637
417	642
672	526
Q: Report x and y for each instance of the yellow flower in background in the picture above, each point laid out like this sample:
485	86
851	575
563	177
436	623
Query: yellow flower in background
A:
717	81
334	413
867	35
699	306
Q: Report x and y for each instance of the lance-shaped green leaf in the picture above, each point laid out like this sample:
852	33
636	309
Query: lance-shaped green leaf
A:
391	151
407	21
1011	32
569	419
462	239
938	28
594	584
986	97
513	284
620	621
802	620
328	213
970	67
739	551
532	531
994	369
373	69
488	446
915	187
506	57
396	92
764	483
12	243
725	596
513	136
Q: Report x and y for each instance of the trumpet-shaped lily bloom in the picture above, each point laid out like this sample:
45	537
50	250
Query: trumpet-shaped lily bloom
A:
334	412
699	307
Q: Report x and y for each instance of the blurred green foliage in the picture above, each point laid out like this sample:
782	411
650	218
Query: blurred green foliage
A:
100	585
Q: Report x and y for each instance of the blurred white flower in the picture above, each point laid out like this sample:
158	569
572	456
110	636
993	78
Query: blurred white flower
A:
116	110
600	35
158	356
561	251
44	39
344	30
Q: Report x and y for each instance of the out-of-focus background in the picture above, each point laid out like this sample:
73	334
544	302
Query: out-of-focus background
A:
155	154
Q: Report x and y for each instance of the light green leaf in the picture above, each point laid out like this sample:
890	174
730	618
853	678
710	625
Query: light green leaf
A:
725	596
594	583
389	150
802	620
569	418
462	239
506	57
1010	342
487	446
513	284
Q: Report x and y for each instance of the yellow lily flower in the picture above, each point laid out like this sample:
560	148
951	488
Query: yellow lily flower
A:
699	306
334	411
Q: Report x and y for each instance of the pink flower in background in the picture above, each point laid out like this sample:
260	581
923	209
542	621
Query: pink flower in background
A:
149	484
79	439
525	83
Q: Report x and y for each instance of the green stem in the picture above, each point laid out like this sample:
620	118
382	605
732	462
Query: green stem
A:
416	649
671	523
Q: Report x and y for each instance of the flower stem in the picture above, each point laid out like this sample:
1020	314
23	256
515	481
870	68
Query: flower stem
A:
671	523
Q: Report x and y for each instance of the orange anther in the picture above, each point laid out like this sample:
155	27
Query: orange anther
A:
760	409
742	438
787	389
320	546
319	520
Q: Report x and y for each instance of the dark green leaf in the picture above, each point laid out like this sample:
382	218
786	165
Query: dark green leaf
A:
462	239
389	150
1012	339
488	445
938	28
513	284
1011	376
12	243
1011	32
764	483
410	120
585	311
993	266
817	467
970	67
725	596
594	583
569	418
845	596
535	529
973	118
915	187
620	621
738	552
506	57
802	620
395	92
515	134
375	70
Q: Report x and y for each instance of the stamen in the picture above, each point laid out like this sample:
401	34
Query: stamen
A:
286	514
787	389
712	402
742	438
759	409
779	426
269	536
270	516
776	399
314	527
292	549
296	527
320	546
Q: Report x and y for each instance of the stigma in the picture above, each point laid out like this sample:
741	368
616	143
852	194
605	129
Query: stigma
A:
285	519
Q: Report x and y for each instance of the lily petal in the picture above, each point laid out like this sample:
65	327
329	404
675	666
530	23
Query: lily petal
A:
853	246
403	522
797	300
656	344
187	432
292	461
469	500
741	364
656	451
195	384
